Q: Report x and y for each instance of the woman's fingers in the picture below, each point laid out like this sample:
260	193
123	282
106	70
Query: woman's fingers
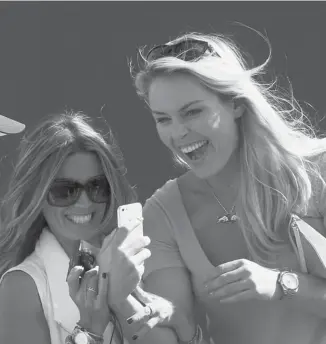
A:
230	289
122	233
124	242
147	312
91	288
74	281
103	286
241	296
150	324
132	245
225	279
141	256
86	282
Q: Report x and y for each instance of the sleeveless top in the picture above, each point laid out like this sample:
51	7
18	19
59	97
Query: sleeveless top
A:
174	244
48	266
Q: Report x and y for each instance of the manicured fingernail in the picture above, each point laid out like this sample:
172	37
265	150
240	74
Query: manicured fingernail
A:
134	337
104	275
130	320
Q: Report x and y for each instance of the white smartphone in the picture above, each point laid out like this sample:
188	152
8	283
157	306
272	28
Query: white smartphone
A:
129	215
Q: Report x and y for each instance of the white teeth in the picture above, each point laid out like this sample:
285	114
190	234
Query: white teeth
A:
80	219
190	148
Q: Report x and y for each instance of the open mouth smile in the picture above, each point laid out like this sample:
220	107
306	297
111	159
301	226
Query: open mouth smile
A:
80	219
195	151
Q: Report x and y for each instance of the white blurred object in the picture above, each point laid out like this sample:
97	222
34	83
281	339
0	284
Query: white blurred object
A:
10	126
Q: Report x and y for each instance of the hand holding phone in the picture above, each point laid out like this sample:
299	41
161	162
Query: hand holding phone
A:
130	216
123	254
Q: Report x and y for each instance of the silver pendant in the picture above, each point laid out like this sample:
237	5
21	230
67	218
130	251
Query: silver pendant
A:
227	218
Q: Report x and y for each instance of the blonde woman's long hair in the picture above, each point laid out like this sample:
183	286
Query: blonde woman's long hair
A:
41	154
278	148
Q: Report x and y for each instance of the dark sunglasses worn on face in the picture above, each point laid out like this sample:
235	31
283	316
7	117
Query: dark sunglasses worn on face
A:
187	50
66	192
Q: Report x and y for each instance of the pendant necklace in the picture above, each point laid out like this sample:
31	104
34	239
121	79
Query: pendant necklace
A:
229	216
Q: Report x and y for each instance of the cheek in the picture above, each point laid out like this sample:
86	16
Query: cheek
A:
229	136
53	215
215	121
163	134
100	209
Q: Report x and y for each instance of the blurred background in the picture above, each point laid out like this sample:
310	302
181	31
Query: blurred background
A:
74	55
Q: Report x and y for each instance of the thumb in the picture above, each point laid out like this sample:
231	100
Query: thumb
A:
73	280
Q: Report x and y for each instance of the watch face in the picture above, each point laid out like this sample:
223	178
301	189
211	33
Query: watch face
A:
290	281
81	338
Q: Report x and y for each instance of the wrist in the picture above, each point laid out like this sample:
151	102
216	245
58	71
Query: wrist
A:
278	293
97	329
288	283
81	335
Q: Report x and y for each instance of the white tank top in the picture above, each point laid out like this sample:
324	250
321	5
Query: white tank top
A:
48	266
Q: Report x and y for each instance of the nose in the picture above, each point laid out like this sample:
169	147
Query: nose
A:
179	130
83	200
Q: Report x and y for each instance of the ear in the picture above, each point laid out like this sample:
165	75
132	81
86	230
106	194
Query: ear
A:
238	108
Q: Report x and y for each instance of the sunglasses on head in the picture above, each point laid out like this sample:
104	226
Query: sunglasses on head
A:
66	192
187	50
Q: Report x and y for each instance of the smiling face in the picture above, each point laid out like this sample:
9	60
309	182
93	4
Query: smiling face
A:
80	220
194	123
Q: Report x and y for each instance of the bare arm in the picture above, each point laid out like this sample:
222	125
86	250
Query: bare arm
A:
22	319
166	277
173	284
157	335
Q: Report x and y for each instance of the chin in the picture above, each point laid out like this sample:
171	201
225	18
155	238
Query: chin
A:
205	172
85	234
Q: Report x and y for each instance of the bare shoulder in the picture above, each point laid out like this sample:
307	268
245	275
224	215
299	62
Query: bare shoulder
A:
21	309
19	286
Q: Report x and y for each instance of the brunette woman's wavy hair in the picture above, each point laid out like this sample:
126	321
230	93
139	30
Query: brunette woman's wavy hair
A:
41	154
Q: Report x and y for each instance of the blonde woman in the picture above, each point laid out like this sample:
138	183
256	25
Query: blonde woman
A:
220	233
65	188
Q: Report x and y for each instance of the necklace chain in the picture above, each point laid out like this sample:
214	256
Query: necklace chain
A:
218	201
229	216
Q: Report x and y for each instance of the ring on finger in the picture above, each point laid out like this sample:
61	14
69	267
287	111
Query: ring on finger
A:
91	289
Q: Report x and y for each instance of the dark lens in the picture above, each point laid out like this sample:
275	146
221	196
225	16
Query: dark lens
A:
99	189
195	50
155	53
187	50
62	193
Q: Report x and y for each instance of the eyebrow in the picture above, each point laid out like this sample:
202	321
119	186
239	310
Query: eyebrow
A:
183	108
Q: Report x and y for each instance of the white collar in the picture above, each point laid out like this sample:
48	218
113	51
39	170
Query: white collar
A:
56	263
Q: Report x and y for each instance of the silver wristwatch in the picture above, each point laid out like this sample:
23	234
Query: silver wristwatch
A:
82	336
289	282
